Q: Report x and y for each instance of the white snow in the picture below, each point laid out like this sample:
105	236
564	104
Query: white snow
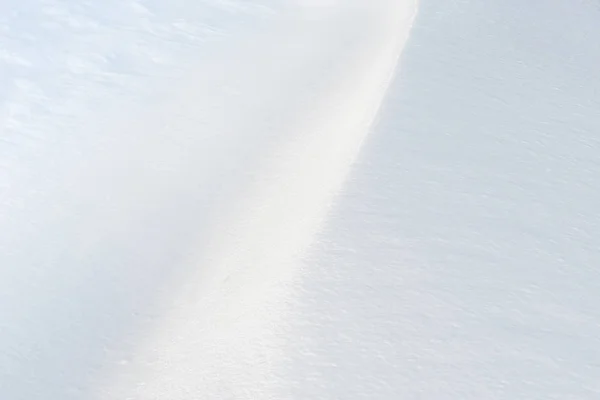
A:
254	200
462	260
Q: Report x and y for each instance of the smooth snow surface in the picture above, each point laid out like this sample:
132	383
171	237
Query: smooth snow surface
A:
154	222
228	199
463	259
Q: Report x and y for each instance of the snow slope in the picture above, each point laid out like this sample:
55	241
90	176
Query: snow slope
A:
153	215
97	200
462	261
183	213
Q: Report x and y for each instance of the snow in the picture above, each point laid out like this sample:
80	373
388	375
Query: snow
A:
248	200
461	261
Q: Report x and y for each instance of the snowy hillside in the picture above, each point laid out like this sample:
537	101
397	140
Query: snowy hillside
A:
165	169
463	259
290	199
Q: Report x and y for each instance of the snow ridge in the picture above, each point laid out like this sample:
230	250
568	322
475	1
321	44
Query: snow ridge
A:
233	350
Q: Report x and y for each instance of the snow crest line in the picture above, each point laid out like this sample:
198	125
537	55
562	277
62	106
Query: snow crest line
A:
221	336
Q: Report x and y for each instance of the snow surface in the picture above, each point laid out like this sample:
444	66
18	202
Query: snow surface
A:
463	259
183	213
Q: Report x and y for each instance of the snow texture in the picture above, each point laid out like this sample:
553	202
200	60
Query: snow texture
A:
227	199
462	260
